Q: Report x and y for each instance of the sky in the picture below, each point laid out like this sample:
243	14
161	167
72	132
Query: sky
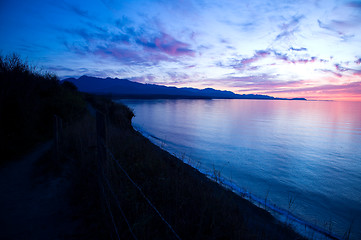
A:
283	48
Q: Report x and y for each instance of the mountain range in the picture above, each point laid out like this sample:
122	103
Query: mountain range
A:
123	88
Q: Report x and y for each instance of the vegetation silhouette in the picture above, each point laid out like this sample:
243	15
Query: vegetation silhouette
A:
28	101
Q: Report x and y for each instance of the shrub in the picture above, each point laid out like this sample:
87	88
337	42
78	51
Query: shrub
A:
29	99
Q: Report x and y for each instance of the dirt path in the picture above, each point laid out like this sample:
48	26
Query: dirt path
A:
33	207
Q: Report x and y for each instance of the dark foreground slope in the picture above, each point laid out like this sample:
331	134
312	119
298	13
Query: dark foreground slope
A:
102	200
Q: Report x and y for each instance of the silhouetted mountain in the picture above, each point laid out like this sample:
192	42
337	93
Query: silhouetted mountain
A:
123	88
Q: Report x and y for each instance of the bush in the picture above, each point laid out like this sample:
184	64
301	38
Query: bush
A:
29	99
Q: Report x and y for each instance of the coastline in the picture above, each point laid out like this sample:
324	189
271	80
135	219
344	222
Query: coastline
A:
301	226
193	204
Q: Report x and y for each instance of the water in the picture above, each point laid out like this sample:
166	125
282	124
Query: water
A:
309	152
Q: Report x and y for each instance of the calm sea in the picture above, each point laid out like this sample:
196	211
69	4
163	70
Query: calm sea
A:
302	156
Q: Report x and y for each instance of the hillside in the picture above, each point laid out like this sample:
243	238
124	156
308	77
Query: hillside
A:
123	88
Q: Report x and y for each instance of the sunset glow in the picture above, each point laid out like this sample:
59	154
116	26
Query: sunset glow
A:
306	49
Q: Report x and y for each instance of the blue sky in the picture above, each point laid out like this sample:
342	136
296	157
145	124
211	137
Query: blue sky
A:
305	48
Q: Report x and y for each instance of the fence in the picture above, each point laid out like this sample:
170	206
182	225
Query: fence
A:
57	129
103	155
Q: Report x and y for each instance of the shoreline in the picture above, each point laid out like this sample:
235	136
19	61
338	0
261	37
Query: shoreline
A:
193	204
298	224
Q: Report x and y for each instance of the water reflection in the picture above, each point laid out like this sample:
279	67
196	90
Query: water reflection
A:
309	150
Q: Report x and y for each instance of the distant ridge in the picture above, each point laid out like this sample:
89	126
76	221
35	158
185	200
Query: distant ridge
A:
123	88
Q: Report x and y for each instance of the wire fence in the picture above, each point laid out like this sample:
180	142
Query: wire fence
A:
104	154
141	192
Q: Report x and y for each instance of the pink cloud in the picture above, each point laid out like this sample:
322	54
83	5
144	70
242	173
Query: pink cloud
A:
311	60
333	72
340	68
269	85
351	71
346	88
120	54
243	63
166	44
260	54
357	73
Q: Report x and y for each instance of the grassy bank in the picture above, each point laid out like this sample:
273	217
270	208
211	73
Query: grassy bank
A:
104	199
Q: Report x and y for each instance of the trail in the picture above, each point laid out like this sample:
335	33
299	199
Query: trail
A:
33	207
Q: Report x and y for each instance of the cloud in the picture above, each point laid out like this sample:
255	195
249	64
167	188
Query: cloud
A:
79	11
270	85
288	59
68	72
123	55
120	38
74	9
324	26
245	62
123	42
298	49
60	68
339	75
346	88
357	73
80	49
338	27
261	40
95	27
167	44
263	82
340	68
281	56
159	41
90	33
129	56
178	77
289	28
108	3
95	34
111	51
143	79
352	71
304	60
355	4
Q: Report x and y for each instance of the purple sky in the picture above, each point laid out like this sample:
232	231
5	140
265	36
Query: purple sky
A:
304	48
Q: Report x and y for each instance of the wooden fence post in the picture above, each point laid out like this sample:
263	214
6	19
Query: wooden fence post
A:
60	130
56	138
101	138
